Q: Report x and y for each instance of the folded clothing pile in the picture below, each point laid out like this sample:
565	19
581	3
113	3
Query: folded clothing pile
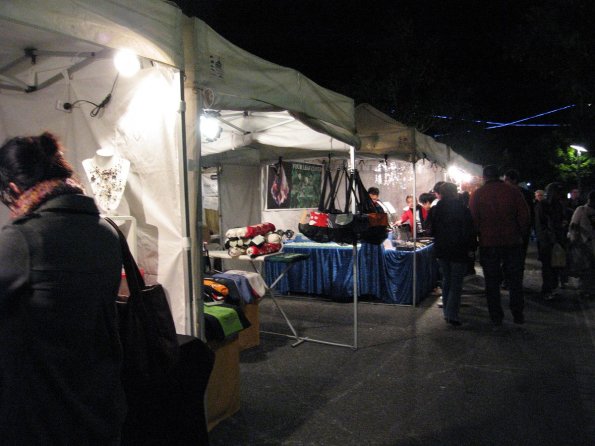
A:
222	321
253	240
234	287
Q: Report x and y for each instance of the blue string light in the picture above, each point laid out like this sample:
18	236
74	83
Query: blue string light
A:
477	121
530	117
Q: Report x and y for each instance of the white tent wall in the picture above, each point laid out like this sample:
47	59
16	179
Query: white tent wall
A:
141	122
394	179
240	198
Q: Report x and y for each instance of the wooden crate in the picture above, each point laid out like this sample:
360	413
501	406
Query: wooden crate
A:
250	337
223	390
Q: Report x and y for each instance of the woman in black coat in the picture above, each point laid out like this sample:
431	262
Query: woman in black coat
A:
451	225
60	267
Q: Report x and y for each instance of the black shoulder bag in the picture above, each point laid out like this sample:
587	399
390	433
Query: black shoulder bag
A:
146	326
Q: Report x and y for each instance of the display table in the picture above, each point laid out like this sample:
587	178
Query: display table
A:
284	262
386	274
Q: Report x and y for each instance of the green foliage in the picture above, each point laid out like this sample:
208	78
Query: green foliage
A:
572	166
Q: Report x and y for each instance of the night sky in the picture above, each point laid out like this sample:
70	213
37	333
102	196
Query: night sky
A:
466	60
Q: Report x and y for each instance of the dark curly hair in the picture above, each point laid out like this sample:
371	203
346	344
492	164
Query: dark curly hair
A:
26	161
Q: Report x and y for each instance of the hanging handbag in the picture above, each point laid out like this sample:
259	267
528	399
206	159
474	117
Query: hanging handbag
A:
375	229
316	228
146	326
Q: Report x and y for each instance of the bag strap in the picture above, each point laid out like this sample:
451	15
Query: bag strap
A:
332	198
365	205
326	182
134	278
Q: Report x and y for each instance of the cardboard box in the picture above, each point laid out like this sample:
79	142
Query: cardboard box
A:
223	390
250	337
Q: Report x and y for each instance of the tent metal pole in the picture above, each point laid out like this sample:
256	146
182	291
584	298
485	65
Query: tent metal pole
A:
355	262
414	223
198	227
186	213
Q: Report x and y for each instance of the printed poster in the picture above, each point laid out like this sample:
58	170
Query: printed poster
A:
294	185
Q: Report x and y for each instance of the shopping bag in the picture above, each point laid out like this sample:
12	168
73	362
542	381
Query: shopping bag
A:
146	326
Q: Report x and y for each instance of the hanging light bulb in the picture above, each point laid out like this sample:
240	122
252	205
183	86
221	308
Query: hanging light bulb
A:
458	175
209	128
126	62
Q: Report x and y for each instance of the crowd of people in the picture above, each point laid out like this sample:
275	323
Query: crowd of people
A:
499	219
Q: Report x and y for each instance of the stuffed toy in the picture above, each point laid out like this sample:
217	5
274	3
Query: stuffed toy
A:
266	248
260	229
236	251
273	237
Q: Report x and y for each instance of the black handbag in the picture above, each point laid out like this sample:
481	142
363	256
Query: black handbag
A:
375	229
146	326
322	234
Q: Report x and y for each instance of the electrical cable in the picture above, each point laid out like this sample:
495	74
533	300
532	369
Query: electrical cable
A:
97	107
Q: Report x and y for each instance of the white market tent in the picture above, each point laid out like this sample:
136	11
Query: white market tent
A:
60	51
266	112
383	136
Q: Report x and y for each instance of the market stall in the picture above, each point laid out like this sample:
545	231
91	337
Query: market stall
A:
383	136
57	73
385	274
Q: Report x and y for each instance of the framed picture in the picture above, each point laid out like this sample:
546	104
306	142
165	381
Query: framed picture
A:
293	185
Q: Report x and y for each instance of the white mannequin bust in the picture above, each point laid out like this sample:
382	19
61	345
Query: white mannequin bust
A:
107	173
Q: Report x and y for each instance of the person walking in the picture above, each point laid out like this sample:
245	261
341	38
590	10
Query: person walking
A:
551	227
60	354
582	237
501	218
450	223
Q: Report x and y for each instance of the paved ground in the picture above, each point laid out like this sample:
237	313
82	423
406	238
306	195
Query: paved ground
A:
416	381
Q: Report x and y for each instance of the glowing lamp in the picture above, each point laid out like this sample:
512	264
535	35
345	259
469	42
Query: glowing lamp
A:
579	149
126	62
458	175
210	128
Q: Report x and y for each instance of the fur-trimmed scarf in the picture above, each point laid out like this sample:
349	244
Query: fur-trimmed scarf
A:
35	196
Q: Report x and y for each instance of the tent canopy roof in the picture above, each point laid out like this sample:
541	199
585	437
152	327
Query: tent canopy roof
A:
383	136
40	43
232	79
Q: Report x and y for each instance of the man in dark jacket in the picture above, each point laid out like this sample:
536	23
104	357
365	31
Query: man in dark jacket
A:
502	219
449	222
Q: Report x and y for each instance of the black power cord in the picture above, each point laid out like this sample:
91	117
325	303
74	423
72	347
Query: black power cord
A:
97	107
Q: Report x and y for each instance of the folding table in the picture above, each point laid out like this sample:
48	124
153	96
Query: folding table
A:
289	260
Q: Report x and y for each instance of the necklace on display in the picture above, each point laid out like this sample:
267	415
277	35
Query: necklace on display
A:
108	185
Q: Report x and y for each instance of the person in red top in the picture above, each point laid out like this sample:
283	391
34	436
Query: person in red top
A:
421	212
502	219
407	215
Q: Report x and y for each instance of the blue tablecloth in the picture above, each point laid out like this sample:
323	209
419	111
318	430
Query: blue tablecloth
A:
385	274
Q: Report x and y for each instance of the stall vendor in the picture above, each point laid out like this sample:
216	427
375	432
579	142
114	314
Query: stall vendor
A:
421	212
374	193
